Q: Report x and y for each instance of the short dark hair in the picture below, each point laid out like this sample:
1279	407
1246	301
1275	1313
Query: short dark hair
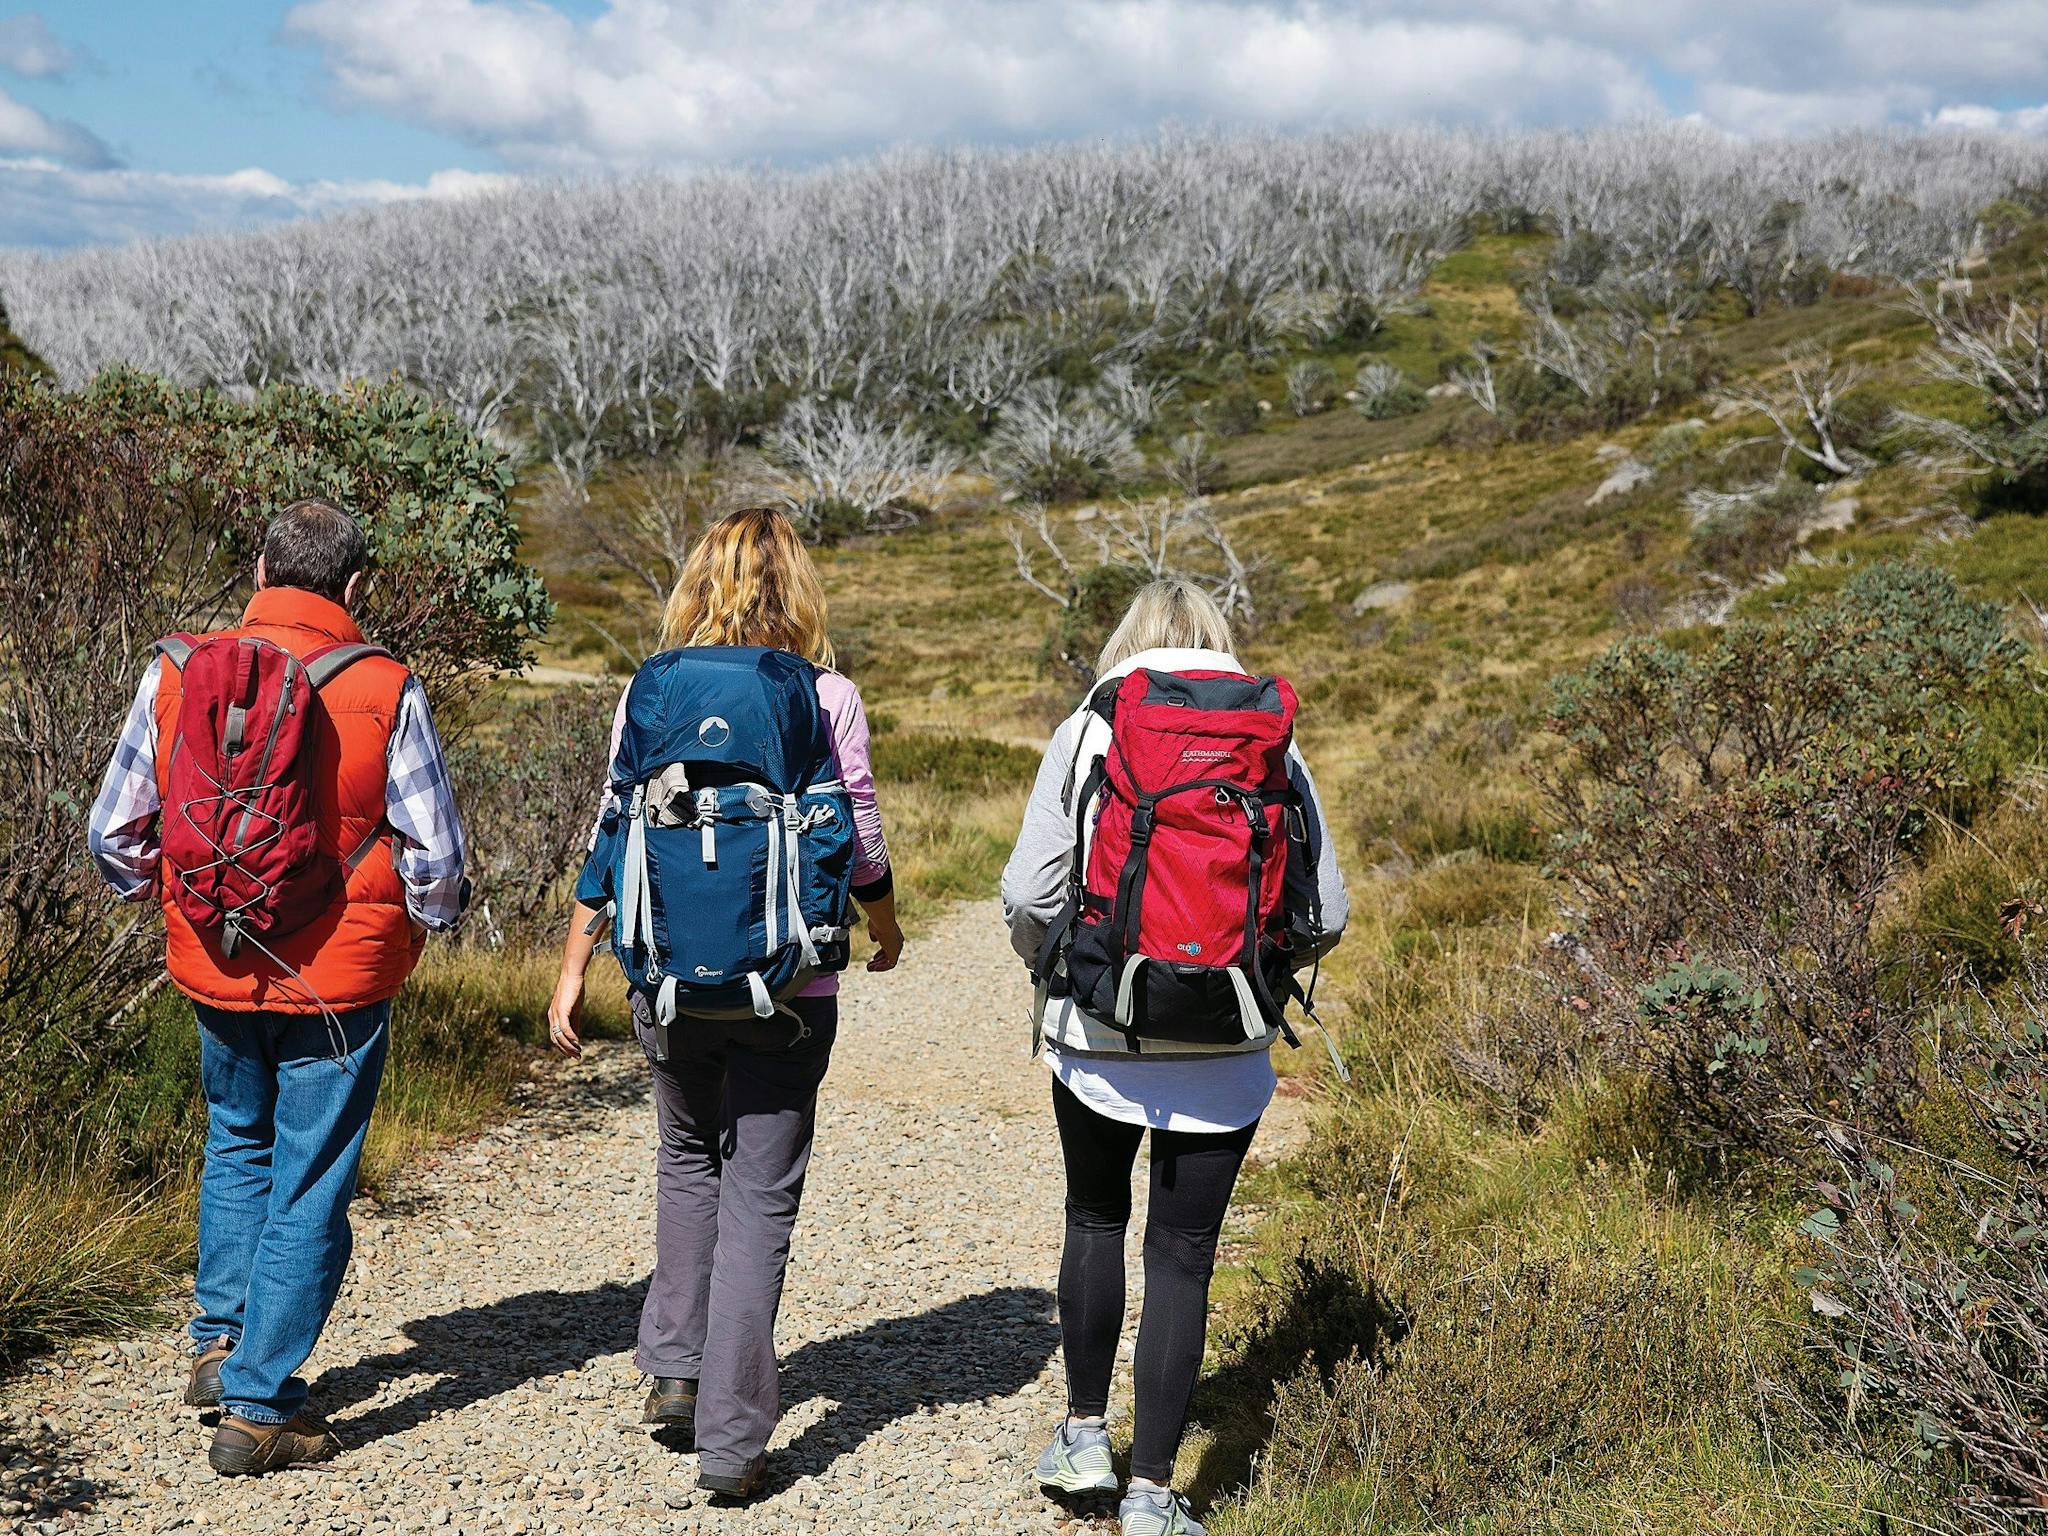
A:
315	545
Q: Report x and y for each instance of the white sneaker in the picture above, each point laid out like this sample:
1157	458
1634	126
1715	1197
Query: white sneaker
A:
1157	1512
1078	1461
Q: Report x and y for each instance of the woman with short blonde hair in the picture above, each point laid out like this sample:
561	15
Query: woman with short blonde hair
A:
736	1099
1201	1109
1172	613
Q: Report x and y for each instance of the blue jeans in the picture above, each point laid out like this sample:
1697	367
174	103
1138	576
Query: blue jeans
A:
286	1122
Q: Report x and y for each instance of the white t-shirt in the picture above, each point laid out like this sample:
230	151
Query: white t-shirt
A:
1179	1093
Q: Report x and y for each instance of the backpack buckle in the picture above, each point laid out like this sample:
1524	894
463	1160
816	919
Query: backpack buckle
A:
1141	826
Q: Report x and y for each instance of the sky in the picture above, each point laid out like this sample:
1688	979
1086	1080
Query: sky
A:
121	119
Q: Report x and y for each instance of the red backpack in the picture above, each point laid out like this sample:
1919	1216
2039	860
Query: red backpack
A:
241	846
1176	929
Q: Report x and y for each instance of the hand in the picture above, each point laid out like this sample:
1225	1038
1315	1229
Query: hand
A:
888	937
564	1009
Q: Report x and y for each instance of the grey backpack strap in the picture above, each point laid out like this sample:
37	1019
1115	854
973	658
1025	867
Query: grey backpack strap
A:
330	663
176	649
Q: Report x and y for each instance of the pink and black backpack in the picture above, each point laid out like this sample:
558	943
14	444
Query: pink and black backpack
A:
1181	928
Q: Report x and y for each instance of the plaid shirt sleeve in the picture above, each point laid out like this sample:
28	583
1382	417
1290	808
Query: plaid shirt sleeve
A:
122	834
419	803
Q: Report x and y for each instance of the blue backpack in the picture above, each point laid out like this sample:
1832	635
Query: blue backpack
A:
727	852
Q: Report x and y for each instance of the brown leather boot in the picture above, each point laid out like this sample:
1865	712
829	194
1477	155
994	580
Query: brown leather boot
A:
203	1391
243	1449
671	1400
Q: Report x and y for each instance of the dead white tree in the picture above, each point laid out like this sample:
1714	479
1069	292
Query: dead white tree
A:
1169	538
1309	383
1476	380
837	456
650	514
1132	398
1998	352
1804	405
1580	352
1192	466
1050	443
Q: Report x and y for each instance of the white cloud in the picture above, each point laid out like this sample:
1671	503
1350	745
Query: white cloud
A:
30	49
1967	117
1759	113
680	82
700	81
26	131
46	203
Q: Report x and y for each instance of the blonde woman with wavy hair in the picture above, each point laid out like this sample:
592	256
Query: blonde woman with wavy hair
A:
736	1099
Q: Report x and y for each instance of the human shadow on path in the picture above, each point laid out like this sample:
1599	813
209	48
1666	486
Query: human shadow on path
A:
44	1474
987	1345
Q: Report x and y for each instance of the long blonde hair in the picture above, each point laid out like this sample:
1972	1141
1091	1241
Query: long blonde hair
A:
1170	612
750	581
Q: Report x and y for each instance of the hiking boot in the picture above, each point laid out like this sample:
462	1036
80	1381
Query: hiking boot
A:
1077	1461
1157	1512
203	1390
671	1400
243	1449
734	1485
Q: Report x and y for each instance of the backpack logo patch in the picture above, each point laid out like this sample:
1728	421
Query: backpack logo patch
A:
713	731
1204	755
704	973
1192	947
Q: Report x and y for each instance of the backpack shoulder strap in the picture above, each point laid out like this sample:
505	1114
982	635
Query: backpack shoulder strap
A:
322	667
176	649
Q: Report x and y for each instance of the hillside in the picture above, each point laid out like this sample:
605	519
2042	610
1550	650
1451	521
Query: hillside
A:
1425	579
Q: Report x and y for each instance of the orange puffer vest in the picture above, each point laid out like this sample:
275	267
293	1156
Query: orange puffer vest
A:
361	950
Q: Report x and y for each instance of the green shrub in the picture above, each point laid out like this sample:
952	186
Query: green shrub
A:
1385	392
529	788
1741	533
1929	1285
1734	815
446	588
1671	444
1232	411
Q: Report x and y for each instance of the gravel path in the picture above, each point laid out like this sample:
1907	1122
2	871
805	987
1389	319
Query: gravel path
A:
478	1366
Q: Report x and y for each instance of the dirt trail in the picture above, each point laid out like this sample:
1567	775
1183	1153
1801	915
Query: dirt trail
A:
478	1366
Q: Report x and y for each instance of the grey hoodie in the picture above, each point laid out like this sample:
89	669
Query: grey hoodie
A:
1034	881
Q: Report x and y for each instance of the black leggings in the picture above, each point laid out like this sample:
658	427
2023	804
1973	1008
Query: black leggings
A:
1192	1176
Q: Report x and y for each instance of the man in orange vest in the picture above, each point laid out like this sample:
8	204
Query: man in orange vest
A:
292	1032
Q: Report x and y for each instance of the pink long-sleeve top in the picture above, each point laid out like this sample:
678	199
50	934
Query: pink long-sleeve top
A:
853	766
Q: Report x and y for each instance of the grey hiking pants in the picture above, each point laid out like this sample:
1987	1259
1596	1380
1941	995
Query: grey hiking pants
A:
735	1105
